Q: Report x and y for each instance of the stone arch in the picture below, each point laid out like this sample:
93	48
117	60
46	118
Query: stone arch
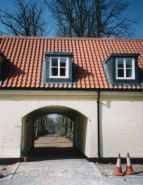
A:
52	109
80	122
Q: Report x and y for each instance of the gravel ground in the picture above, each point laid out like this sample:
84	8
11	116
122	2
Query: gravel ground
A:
52	172
65	172
6	171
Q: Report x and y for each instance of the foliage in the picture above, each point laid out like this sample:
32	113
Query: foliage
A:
55	124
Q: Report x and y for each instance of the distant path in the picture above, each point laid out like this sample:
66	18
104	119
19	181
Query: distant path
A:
53	141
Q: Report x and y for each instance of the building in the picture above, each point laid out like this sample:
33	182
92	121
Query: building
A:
98	83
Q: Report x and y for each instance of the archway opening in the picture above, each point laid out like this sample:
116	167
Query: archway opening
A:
54	132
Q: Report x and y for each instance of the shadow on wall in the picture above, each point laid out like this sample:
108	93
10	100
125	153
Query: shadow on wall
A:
80	133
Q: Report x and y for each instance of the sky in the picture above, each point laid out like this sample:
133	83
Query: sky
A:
134	12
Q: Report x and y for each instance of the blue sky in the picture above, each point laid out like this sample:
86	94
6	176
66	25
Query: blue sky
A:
135	12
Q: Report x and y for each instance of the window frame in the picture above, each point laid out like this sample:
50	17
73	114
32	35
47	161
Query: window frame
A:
59	67
125	68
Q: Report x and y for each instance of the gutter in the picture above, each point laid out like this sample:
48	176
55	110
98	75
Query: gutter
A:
98	122
70	89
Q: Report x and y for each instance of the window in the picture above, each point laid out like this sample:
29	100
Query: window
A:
59	67
125	68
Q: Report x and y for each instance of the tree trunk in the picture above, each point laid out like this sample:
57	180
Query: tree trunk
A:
98	18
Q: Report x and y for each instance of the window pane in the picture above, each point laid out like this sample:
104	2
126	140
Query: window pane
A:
62	71
63	59
54	71
62	62
120	73
128	63
120	63
54	62
129	73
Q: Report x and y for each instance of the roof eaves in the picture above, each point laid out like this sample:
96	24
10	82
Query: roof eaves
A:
136	55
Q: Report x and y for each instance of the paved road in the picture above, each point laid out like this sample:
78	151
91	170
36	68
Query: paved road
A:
64	172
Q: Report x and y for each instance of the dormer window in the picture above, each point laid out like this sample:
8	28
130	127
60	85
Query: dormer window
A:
59	67
125	68
122	69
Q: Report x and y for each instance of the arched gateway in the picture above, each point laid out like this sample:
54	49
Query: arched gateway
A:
78	120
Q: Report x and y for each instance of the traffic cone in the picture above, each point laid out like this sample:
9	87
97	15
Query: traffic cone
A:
129	168
118	169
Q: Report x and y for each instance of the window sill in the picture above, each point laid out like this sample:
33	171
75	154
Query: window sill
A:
125	78
56	77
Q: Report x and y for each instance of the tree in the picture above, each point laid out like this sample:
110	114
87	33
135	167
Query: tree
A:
111	19
27	19
96	18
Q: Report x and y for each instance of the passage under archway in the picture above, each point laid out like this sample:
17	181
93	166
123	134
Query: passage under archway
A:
54	131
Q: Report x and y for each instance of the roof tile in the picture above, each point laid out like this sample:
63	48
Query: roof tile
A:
28	53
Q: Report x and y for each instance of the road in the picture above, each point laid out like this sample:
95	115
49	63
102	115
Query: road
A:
64	172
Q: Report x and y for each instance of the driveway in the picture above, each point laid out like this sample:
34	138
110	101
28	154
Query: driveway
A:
64	172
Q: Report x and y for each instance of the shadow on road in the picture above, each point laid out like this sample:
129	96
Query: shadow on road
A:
52	153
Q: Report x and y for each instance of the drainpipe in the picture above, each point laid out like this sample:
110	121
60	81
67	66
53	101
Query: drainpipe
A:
98	122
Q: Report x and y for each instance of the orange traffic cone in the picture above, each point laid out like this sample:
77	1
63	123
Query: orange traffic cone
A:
118	169
129	168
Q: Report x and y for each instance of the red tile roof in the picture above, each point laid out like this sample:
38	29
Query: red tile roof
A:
26	55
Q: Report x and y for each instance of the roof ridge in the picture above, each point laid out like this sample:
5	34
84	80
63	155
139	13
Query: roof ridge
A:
72	38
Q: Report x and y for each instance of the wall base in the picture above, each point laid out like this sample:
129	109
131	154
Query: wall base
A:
113	160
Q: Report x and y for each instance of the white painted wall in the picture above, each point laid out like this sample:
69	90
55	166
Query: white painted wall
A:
121	120
14	106
122	125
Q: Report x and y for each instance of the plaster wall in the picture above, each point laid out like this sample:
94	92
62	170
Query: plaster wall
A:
13	107
122	125
121	128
